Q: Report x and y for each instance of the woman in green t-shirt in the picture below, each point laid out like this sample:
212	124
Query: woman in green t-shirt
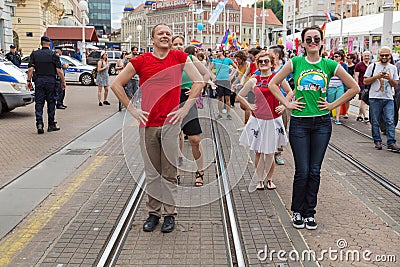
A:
191	125
310	125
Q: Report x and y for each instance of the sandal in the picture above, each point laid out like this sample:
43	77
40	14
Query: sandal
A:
198	183
270	185
260	185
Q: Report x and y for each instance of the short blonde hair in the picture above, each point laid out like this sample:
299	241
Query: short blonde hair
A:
266	54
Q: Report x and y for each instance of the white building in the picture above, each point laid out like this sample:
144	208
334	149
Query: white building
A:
6	31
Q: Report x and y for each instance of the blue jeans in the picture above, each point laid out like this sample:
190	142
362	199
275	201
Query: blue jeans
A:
384	108
309	138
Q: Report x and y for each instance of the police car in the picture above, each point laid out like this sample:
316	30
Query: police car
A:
13	88
76	72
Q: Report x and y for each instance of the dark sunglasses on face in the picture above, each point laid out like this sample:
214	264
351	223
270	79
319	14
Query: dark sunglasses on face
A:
336	56
384	55
263	61
316	40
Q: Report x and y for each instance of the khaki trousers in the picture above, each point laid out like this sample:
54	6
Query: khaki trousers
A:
159	147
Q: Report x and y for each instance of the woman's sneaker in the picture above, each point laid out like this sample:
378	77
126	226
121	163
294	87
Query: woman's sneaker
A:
297	220
311	224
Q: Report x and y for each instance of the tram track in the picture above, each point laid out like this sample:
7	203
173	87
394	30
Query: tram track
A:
376	176
233	240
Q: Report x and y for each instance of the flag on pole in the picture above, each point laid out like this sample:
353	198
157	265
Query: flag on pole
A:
328	16
281	2
225	39
196	43
217	11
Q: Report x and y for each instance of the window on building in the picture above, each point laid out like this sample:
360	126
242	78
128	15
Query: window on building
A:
244	30
216	28
216	40
249	30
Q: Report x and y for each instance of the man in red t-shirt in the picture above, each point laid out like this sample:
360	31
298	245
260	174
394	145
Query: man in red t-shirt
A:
160	76
359	71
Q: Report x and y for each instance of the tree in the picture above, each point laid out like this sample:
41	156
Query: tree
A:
274	6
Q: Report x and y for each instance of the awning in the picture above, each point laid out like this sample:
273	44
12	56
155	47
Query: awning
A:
71	33
363	25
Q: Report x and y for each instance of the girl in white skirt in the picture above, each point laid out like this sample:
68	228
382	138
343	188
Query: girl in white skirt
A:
264	133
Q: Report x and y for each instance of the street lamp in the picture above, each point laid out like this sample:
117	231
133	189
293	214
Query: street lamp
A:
83	7
139	29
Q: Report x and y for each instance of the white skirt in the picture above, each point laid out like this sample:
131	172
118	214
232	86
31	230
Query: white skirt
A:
264	136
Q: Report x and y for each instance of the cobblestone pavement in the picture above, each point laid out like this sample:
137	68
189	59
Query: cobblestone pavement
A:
21	147
76	230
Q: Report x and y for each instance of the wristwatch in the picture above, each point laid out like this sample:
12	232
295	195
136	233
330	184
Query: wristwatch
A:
29	81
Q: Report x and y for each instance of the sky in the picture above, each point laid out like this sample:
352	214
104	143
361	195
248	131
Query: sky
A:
117	7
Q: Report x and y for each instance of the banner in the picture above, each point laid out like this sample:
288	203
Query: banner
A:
217	11
396	43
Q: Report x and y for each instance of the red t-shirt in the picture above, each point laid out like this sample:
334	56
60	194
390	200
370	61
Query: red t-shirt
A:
265	101
160	83
361	68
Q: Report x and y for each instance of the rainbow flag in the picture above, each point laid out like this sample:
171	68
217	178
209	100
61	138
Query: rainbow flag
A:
226	37
281	2
196	43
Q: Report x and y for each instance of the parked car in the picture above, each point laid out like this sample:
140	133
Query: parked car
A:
14	91
113	56
76	72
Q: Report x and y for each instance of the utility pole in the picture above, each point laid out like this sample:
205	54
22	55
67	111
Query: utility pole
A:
387	39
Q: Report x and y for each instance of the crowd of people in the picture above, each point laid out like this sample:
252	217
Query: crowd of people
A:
286	99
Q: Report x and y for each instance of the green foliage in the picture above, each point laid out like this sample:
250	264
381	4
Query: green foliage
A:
274	6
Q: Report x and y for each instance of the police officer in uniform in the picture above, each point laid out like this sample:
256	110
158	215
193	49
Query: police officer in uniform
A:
60	92
47	65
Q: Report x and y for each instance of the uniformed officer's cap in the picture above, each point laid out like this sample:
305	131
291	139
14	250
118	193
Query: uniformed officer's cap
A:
12	46
45	39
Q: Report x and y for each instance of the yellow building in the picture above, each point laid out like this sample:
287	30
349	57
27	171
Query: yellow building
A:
31	18
397	5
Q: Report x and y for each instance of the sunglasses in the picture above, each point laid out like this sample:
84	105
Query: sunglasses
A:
336	56
384	55
309	40
263	61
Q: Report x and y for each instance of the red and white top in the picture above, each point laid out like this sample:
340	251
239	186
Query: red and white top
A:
265	101
160	83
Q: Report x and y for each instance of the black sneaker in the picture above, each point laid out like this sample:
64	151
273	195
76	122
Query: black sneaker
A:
100	104
219	117
229	117
311	224
106	103
151	223
53	127
393	148
39	127
297	220
378	146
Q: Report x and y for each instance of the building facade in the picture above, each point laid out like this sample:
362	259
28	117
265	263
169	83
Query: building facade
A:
6	32
30	20
307	12
185	17
100	16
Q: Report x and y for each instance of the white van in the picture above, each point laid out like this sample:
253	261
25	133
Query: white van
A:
14	91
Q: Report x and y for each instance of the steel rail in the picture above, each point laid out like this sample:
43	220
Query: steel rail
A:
114	245
226	199
374	175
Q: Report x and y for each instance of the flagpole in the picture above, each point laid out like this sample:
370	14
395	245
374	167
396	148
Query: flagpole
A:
294	20
211	26
255	22
284	26
262	25
186	33
241	21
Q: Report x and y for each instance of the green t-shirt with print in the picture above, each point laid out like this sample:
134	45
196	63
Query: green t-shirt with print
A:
186	81
311	82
